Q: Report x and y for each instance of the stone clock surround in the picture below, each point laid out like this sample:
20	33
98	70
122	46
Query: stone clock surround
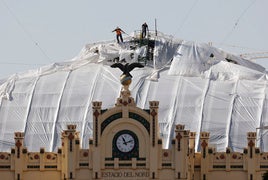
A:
124	124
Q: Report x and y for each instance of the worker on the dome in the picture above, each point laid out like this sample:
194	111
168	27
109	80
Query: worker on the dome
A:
144	29
119	32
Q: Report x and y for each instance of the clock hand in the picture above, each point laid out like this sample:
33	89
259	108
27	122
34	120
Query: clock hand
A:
129	141
124	141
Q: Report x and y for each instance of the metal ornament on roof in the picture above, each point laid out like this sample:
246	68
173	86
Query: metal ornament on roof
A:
126	77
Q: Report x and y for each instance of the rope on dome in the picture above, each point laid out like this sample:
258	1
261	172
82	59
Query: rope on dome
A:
185	18
237	21
25	30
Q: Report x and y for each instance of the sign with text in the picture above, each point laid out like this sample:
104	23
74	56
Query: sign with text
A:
125	174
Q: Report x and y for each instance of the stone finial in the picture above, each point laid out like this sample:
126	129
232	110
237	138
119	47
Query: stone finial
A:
71	127
180	127
186	133
96	104
204	135
192	140
154	104
251	135
19	135
192	135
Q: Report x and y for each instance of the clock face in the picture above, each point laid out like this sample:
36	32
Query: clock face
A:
125	142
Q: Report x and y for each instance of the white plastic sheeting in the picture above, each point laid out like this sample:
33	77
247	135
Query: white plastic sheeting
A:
197	85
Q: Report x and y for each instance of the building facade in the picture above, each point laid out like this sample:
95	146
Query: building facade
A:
126	145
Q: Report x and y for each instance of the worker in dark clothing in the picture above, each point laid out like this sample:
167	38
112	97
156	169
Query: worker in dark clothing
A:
144	29
118	32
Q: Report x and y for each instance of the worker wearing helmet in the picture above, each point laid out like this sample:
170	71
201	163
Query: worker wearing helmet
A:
118	32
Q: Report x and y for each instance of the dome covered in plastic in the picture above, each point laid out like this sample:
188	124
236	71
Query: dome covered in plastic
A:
197	85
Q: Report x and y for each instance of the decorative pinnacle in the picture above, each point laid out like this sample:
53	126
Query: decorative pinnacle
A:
126	77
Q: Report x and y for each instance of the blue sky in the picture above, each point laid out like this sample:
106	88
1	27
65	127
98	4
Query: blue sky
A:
35	33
